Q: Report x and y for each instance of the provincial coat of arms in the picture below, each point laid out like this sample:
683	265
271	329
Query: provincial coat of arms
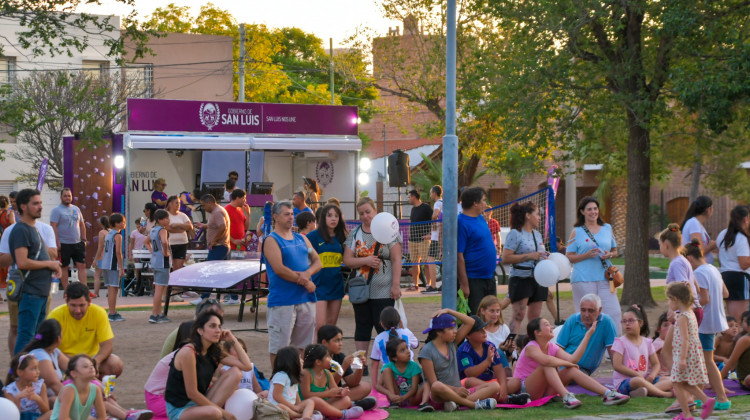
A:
209	114
324	172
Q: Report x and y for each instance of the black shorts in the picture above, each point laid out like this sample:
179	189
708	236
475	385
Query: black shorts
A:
179	252
76	252
526	287
738	284
435	250
367	316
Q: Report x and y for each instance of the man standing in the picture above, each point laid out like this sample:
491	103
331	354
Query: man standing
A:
436	195
32	259
572	333
298	200
6	260
291	293
217	232
70	230
229	186
419	240
239	225
476	251
86	329
13	206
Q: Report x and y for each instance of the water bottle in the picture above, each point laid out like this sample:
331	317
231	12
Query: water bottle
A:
55	286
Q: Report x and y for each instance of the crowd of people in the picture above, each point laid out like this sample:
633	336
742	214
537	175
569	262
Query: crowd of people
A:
469	359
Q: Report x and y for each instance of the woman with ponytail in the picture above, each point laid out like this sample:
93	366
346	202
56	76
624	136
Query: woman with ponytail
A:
45	347
693	226
390	320
734	257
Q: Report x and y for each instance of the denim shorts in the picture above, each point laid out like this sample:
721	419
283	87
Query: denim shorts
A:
161	276
707	341
625	388
174	413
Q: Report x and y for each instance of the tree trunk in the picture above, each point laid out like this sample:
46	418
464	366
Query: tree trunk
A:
467	170
619	211
637	288
514	190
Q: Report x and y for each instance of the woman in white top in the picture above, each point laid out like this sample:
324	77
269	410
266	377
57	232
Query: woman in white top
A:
734	257
693	226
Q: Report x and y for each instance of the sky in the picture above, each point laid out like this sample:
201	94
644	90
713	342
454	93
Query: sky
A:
337	19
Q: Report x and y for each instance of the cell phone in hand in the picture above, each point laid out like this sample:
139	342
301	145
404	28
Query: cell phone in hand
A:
509	339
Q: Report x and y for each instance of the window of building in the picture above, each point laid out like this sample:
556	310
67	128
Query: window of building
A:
140	80
8	71
95	68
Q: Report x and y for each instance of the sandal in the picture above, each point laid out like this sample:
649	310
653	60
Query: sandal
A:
681	417
708	408
412	288
675	407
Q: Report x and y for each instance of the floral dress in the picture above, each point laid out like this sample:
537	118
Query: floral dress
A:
695	373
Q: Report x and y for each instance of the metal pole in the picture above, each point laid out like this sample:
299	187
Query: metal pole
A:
330	40
241	89
450	166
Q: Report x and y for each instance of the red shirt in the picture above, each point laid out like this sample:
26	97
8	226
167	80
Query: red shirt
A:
494	226
236	221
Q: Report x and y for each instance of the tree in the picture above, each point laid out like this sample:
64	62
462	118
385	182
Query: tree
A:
432	174
48	105
583	64
283	65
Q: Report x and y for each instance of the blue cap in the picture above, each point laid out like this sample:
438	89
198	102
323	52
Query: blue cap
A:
440	322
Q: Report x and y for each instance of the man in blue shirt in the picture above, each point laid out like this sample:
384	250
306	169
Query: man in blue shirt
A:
476	250
575	328
298	203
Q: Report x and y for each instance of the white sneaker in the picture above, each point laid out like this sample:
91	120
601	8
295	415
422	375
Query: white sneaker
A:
196	301
613	397
232	302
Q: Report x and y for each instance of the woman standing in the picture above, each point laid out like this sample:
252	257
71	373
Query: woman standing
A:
589	246
359	253
524	246
159	197
187	394
179	226
693	226
328	240
149	211
312	193
734	257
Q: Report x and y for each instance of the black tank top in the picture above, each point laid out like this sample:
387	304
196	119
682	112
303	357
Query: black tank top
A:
175	393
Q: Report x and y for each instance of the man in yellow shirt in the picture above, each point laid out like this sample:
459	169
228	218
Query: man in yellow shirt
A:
86	329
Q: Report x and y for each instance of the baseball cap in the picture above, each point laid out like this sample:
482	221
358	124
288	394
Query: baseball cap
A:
440	322
478	324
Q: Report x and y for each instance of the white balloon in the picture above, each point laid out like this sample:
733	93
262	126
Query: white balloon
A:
8	410
384	228
563	264
241	403
546	273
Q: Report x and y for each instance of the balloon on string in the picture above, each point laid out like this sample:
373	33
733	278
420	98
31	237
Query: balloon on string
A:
241	403
546	273
563	264
8	410
384	228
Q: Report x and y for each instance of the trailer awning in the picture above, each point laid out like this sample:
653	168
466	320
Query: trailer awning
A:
239	142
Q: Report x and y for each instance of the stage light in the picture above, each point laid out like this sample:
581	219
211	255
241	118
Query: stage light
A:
365	164
363	178
119	162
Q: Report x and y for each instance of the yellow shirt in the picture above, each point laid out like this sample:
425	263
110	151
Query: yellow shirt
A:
84	335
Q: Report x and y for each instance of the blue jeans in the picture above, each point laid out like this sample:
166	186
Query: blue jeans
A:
218	253
32	310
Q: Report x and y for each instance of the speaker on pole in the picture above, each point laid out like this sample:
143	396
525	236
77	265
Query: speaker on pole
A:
398	169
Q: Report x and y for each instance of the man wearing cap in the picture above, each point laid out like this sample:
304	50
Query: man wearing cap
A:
572	333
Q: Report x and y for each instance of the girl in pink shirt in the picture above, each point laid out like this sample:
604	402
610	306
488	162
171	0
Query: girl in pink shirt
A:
635	361
538	364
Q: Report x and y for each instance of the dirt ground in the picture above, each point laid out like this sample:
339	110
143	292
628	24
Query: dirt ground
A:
139	343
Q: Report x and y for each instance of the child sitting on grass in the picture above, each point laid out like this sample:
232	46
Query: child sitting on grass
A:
317	384
739	360
725	341
332	337
401	378
636	365
662	328
390	320
249	380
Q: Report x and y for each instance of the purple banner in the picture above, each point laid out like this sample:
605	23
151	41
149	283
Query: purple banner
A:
240	117
42	174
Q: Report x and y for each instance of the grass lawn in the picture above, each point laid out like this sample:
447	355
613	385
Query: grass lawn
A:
660	262
592	406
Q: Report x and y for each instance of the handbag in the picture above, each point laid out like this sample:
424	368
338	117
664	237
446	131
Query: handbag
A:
359	287
266	410
15	285
611	273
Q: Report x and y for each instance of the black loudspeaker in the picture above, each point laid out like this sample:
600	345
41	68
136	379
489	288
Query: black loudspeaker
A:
398	169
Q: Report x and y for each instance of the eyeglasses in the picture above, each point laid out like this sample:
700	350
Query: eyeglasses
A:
628	321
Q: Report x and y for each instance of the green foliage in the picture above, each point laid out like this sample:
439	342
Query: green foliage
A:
283	65
432	174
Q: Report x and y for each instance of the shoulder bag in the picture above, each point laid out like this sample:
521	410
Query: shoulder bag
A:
15	286
611	273
358	287
266	410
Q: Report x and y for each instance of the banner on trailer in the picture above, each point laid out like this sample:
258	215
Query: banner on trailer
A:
42	174
241	117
